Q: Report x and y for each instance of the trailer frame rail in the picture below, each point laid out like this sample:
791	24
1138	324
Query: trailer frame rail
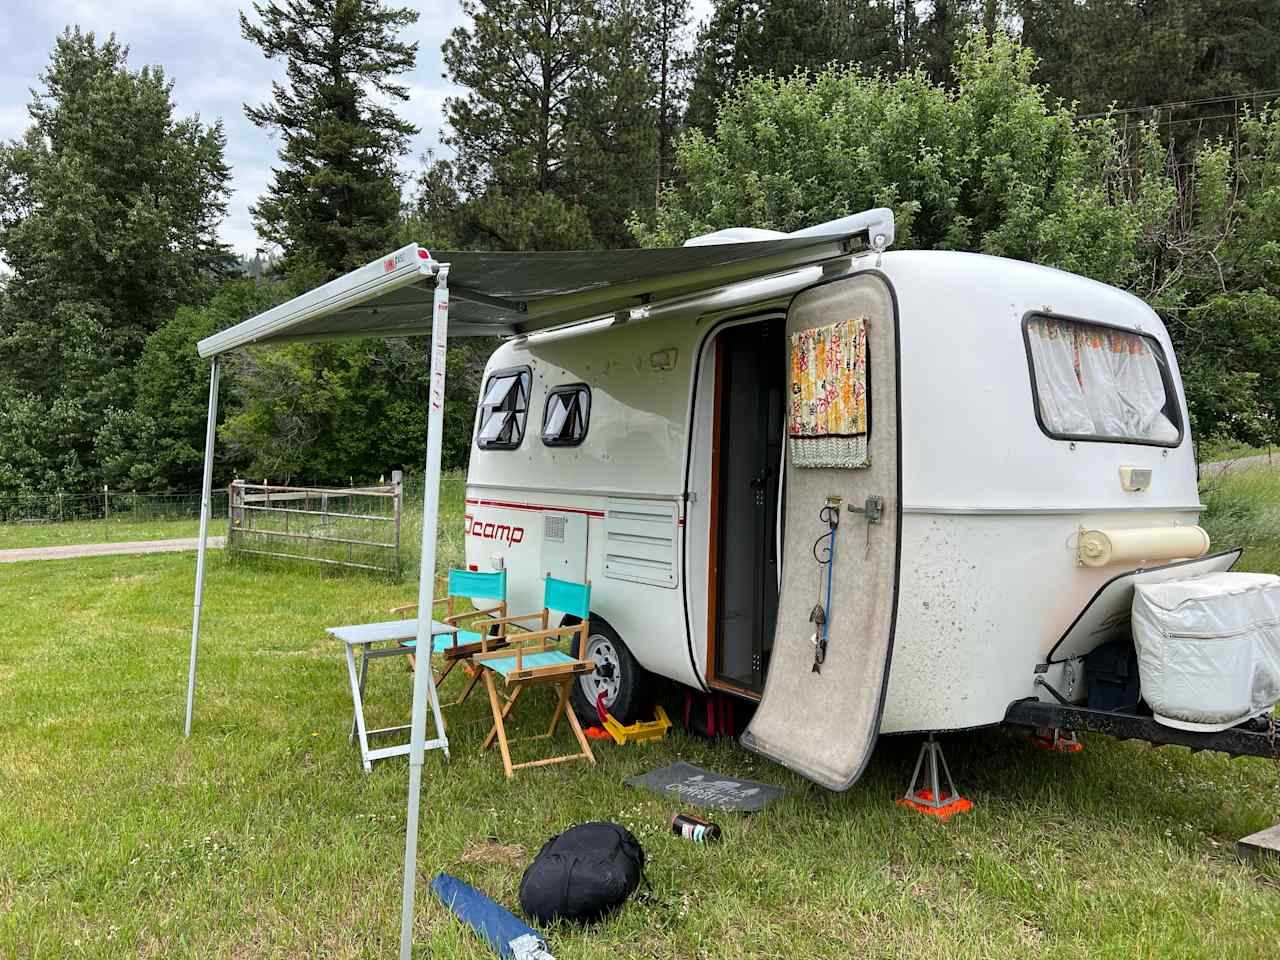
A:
1238	741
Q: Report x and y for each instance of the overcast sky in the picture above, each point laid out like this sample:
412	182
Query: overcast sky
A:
214	71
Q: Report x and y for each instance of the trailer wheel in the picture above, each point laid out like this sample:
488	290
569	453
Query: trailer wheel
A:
617	676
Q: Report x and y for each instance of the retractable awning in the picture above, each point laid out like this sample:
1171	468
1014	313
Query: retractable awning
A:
513	293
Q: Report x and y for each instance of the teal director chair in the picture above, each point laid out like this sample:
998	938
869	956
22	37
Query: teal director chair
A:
535	659
466	642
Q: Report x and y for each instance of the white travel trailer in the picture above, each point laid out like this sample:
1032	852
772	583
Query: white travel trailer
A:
876	491
647	452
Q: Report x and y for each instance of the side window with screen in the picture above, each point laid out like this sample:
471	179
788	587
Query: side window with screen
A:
504	408
1095	382
565	417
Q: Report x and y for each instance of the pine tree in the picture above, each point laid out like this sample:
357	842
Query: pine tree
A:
521	62
744	37
723	44
612	155
556	136
334	199
671	17
1100	52
109	208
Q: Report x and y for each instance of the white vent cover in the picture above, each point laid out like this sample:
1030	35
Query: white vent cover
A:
640	541
553	527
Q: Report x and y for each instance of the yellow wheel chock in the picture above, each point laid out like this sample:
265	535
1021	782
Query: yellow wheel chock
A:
640	732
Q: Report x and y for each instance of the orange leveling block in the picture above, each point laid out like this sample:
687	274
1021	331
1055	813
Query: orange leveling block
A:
654	729
929	797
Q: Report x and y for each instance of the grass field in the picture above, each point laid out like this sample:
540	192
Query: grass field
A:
261	837
1242	509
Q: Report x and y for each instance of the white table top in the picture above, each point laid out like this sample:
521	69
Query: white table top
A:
362	634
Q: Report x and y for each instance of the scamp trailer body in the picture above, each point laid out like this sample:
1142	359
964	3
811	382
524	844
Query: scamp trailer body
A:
654	452
876	491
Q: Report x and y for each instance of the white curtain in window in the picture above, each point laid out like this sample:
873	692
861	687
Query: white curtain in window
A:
1060	393
1095	381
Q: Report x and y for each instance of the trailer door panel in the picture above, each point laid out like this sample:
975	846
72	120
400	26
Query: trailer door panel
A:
823	722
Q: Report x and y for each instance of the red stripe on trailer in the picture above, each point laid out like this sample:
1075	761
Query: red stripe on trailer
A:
543	508
536	507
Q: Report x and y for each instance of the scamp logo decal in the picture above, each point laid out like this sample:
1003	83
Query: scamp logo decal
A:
487	530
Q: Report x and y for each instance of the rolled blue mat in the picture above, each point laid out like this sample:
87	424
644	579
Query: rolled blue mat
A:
508	935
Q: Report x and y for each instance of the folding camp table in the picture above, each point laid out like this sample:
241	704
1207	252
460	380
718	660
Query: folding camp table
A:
391	638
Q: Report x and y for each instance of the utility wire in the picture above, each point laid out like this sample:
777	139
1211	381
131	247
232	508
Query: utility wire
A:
1252	95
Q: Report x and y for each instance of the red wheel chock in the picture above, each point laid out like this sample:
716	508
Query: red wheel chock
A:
1058	741
926	793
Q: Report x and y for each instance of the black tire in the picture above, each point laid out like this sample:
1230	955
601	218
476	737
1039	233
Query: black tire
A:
623	681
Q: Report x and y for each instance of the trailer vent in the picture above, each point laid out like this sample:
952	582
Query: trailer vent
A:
553	527
640	541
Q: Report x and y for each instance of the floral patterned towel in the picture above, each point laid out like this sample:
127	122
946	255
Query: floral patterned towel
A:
828	417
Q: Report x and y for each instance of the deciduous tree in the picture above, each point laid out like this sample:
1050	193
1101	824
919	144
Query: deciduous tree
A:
109	206
994	162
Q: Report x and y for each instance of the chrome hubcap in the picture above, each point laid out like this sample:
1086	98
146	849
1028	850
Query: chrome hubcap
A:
605	678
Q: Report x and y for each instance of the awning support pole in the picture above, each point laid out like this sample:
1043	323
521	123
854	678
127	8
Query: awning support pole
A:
206	493
424	687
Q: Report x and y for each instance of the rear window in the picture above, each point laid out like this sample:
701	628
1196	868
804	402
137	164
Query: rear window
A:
1095	382
504	408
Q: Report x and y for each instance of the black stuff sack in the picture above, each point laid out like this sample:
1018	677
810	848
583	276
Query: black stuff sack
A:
582	874
1112	671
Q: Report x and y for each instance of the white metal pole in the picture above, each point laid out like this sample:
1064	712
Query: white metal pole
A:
206	488
424	687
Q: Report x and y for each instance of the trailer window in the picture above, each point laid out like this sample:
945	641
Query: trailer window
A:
1094	382
504	407
565	417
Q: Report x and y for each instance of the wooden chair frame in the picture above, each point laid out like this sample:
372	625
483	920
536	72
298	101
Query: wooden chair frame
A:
463	652
562	676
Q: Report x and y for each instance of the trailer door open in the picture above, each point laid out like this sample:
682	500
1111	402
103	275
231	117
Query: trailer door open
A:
823	723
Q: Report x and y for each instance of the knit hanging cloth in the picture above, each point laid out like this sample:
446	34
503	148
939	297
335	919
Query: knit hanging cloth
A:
828	417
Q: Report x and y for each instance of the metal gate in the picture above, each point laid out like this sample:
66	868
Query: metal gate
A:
356	527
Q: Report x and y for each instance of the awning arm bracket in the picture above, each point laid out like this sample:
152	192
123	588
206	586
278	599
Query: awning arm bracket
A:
471	296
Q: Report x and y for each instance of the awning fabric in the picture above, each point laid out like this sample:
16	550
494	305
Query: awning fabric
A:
512	293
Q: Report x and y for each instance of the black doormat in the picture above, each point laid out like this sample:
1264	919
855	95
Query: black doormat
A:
704	788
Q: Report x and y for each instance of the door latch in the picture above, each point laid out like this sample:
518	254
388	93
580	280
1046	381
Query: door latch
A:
872	509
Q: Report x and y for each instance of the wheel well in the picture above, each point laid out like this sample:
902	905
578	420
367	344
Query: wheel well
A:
569	620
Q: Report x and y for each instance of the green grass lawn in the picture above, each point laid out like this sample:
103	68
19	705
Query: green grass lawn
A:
261	836
1211	451
1242	509
16	535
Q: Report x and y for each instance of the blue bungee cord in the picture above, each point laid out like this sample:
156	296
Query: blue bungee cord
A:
821	616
